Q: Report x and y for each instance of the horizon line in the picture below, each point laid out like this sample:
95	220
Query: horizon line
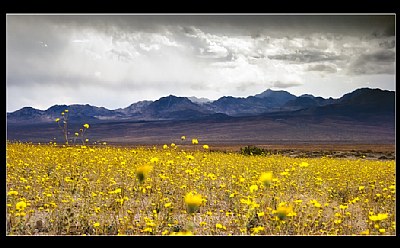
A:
7	112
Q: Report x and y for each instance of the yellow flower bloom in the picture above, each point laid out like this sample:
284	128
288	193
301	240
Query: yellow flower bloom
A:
183	137
57	119
257	229
153	160
206	147
97	224
266	178
182	233
20	205
189	157
142	171
304	164
193	201
337	221
253	188
195	141
378	217
12	192
220	226
366	232
283	211
86	125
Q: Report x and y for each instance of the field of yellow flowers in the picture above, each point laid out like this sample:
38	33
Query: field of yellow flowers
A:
57	189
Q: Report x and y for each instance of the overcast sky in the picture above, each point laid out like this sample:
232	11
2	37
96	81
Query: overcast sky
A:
116	60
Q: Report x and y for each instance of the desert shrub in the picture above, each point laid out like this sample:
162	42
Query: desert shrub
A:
252	150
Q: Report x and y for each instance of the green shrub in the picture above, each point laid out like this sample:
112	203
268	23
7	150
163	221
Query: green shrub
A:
252	150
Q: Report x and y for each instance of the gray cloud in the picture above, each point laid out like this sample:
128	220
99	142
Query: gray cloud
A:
376	62
322	68
284	85
308	56
203	55
388	44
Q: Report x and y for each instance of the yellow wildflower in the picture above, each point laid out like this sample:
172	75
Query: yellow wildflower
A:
378	217
220	226
283	211
366	232
266	178
304	164
12	192
20	205
193	201
253	188
142	171
182	233
154	160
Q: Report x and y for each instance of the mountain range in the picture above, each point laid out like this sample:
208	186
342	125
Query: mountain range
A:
361	103
363	116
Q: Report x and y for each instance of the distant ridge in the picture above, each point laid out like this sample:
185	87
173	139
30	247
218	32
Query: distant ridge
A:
361	102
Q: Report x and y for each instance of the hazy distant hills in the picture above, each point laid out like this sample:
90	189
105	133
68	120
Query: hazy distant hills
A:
359	103
364	116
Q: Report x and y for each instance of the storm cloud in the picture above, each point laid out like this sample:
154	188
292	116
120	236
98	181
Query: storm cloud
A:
376	62
307	56
116	60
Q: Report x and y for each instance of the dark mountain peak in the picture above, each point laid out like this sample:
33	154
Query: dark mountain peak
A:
227	99
27	111
57	107
172	100
25	114
368	96
174	107
273	93
307	95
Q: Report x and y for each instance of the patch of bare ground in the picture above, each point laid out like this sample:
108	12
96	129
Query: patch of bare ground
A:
348	151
